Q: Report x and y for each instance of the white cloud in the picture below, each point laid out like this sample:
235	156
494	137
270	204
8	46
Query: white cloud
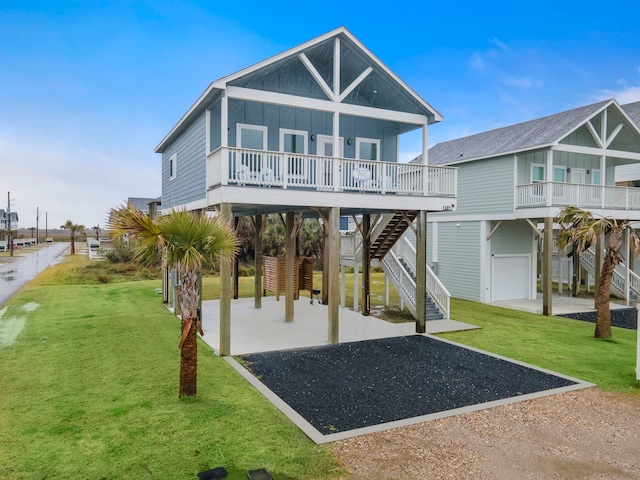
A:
623	96
524	82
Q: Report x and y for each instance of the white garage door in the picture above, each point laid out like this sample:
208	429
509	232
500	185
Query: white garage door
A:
510	278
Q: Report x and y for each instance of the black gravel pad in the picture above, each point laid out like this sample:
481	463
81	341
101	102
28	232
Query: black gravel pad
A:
620	317
346	386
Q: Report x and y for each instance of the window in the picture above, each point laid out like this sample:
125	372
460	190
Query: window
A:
595	177
253	137
294	141
537	173
559	174
367	149
173	166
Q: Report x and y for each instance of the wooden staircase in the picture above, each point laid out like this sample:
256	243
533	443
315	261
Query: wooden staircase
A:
387	233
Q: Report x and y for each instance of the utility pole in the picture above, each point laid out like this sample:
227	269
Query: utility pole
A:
10	240
37	225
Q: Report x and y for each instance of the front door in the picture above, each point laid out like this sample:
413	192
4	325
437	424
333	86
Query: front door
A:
324	164
577	175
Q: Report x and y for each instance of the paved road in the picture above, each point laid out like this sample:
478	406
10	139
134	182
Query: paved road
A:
15	274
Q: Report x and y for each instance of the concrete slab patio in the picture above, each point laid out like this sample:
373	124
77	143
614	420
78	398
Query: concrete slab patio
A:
560	305
263	330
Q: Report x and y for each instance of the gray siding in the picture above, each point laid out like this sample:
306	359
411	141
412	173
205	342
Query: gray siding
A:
524	164
190	182
486	186
215	134
512	238
459	258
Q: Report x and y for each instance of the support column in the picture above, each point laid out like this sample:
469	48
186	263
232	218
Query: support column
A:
598	267
334	278
366	265
356	286
325	263
290	255
225	292
234	273
421	272
257	279
547	254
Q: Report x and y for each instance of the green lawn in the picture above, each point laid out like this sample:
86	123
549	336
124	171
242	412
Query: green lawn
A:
560	344
90	390
90	387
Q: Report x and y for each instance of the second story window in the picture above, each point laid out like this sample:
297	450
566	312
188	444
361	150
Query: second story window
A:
367	149
537	173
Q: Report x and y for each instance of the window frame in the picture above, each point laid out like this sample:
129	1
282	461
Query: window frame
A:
544	172
562	169
360	141
173	166
595	171
248	126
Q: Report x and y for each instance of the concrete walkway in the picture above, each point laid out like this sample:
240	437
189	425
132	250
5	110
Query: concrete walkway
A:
263	330
560	305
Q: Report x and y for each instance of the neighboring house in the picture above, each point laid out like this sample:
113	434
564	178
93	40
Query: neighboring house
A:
145	205
512	179
4	220
629	175
311	132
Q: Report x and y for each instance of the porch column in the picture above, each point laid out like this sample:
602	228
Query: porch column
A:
421	272
333	273
548	173
234	273
626	276
356	285
425	159
257	279
547	255
290	264
598	267
366	265
225	292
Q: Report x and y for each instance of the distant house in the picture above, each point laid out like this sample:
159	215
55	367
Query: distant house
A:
4	220
145	205
512	179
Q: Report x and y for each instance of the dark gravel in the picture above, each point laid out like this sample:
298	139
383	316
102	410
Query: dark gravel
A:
359	384
620	317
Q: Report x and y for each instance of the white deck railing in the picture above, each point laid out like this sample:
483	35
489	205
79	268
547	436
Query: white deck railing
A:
235	166
553	194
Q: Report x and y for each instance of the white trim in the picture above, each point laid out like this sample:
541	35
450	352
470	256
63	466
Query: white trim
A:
249	126
361	140
613	135
329	139
582	172
304	133
195	205
316	76
274	98
173	166
594	134
485	256
561	168
598	152
544	172
355	83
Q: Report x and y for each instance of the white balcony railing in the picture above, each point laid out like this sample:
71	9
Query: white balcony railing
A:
235	166
552	194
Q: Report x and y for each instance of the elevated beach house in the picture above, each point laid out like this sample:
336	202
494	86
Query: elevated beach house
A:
311	132
512	182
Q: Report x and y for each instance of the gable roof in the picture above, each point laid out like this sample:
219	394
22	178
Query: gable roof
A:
633	111
538	133
219	85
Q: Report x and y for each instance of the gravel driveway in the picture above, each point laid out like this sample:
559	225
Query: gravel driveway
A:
585	434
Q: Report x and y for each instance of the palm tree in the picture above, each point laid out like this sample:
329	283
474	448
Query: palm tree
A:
73	228
97	230
188	240
581	229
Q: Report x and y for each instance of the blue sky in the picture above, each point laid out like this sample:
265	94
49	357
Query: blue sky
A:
89	88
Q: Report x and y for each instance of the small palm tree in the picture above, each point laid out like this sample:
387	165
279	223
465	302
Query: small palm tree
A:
73	229
580	228
189	240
